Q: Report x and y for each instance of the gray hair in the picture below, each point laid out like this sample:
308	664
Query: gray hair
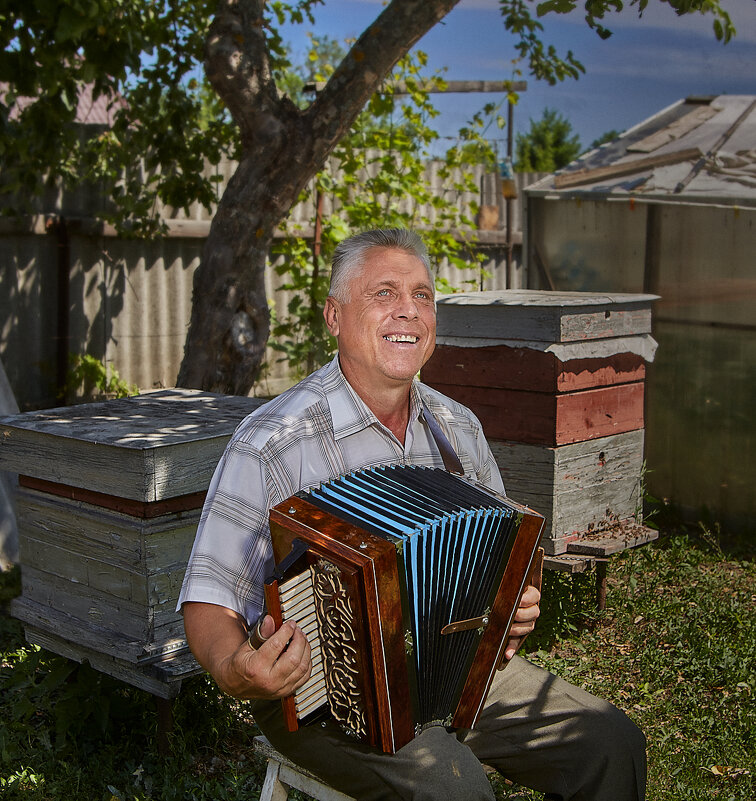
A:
349	256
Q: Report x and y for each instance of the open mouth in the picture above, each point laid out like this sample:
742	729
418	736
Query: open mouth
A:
401	338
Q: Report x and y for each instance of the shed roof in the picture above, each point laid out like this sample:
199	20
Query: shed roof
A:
90	110
698	150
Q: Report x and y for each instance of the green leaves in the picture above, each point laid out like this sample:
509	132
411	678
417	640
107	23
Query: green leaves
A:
377	178
141	61
144	60
549	145
596	10
543	60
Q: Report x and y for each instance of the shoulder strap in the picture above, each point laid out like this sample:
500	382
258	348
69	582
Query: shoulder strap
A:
451	460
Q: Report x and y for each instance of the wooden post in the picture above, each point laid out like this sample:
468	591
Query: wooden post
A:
164	708
508	200
601	566
653	248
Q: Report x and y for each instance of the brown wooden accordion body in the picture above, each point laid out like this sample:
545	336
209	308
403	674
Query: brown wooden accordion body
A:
405	581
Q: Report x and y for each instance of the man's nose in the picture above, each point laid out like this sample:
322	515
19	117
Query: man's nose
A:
406	306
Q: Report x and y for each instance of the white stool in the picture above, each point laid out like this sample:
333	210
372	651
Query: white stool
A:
283	774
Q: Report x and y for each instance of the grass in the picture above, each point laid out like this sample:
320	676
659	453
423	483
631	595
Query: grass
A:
676	649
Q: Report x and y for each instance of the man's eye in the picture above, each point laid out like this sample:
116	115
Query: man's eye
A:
383	292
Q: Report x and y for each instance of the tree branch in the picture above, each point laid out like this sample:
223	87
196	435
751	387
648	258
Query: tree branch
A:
237	64
398	28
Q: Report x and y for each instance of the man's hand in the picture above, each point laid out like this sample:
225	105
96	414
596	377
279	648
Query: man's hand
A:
524	622
218	640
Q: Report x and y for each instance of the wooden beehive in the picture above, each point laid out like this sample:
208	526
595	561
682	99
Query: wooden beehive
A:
557	380
108	504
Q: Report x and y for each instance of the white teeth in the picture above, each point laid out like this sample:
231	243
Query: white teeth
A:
400	338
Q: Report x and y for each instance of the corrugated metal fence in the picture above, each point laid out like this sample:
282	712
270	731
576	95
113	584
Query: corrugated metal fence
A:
69	285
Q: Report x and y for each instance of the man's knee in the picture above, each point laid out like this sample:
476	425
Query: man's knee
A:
442	767
613	752
608	729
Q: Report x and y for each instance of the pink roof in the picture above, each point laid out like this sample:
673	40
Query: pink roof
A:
89	111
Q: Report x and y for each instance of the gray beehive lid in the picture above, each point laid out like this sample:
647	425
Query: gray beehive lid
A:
151	447
541	316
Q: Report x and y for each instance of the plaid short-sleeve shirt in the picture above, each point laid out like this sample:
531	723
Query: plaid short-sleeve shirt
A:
314	432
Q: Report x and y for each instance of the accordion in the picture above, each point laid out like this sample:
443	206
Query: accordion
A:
405	581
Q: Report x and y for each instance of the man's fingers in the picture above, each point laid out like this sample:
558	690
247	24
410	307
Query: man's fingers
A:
287	655
527	614
525	618
267	627
512	646
521	630
531	596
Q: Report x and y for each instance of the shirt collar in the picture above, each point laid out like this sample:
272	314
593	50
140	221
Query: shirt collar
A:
349	413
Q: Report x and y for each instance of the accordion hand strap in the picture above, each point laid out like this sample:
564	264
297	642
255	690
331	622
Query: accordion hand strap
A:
451	460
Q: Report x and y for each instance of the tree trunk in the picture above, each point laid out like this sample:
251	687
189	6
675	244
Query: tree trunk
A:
230	323
282	147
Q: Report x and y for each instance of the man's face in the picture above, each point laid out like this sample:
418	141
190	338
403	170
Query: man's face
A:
387	330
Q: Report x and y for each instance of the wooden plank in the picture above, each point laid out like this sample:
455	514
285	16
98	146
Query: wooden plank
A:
618	170
715	147
35	609
120	630
685	124
88	532
547	419
599	412
273	788
439	86
162	679
574	486
293	775
543	316
311	786
506	367
126	506
568	563
614	539
102	579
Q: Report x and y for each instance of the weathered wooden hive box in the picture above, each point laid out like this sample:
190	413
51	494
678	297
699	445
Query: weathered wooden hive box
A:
557	380
108	503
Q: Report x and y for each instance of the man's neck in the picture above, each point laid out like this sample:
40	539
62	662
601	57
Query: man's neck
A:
395	419
390	404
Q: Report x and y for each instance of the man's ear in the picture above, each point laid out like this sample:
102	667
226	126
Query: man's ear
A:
331	314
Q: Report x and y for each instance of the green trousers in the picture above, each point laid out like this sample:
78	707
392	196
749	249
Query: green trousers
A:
536	729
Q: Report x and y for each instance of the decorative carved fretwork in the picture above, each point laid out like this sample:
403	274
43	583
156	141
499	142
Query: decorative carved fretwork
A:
335	617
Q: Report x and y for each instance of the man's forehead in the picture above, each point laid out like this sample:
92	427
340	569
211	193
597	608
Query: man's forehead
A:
390	265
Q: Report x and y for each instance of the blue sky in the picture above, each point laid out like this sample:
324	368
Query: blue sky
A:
644	67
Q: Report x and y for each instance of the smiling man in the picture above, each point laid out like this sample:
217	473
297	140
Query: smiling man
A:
384	320
367	408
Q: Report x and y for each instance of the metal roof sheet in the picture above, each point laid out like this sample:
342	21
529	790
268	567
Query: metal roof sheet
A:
699	150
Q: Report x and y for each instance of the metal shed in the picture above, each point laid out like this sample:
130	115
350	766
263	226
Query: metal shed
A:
669	208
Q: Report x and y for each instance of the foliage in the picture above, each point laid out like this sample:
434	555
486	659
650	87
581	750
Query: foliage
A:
145	59
548	146
139	56
324	53
676	649
89	377
544	62
596	11
609	136
377	178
